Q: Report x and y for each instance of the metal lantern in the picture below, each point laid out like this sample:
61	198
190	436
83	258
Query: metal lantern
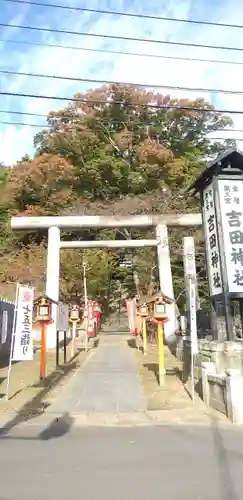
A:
74	314
160	309
143	310
43	309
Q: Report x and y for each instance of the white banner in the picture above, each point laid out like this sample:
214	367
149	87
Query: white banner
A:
190	271
62	317
131	312
211	242
23	339
231	207
193	317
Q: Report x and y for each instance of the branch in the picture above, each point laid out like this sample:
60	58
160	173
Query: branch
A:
113	143
181	293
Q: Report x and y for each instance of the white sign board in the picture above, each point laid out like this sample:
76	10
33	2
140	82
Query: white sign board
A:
189	257
189	265
62	317
231	207
211	243
4	330
23	340
193	317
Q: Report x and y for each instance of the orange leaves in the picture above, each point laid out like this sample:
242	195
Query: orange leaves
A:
151	152
41	186
123	139
45	169
24	265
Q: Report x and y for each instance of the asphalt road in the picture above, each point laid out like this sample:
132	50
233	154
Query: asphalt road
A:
65	462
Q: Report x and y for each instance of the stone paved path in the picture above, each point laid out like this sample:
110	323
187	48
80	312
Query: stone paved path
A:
107	382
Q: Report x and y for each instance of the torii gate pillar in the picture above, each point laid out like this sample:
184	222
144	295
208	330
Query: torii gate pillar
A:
52	281
165	280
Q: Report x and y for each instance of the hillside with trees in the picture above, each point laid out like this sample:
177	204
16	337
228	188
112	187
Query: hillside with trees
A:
113	150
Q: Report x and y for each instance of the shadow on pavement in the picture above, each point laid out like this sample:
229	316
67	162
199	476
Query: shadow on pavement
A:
37	405
56	429
132	343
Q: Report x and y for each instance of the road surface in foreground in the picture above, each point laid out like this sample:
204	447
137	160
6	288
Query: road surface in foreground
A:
179	462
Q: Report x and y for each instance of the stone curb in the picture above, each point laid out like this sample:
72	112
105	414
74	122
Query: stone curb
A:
135	419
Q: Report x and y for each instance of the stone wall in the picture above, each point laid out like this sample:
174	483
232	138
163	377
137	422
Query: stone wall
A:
218	374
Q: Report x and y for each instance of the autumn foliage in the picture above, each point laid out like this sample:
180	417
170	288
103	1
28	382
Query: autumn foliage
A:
116	149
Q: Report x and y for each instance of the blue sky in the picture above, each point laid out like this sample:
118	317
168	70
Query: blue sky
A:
15	141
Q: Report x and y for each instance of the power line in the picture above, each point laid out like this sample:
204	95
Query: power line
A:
120	52
124	103
104	121
126	14
12	112
116	37
129	84
35	125
23	124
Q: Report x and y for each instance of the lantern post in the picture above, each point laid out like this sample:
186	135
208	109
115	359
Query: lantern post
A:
44	316
160	315
74	318
143	314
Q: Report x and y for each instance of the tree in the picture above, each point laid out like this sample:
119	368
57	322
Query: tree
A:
131	153
25	159
42	186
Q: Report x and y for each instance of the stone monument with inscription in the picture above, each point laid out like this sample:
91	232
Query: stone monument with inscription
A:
221	193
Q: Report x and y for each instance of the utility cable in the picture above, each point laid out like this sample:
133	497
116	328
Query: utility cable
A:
128	84
106	121
126	14
120	52
165	107
46	126
116	37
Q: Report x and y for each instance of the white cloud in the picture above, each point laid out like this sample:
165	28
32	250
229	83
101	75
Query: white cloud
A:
81	64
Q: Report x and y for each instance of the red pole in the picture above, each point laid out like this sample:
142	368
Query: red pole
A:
43	352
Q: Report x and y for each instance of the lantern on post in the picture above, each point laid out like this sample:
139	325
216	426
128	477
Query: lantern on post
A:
74	318
43	305
74	314
159	314
143	313
43	309
160	310
221	193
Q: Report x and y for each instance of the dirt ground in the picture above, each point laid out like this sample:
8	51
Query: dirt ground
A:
28	396
173	395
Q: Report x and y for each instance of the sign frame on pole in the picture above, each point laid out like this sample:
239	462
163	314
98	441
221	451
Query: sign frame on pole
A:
193	330
21	348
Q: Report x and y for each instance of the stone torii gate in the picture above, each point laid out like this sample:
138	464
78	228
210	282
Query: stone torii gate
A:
55	223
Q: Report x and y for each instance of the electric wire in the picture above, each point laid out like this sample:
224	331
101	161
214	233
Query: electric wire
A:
117	37
120	52
126	14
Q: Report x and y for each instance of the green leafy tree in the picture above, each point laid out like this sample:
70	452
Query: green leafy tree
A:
126	156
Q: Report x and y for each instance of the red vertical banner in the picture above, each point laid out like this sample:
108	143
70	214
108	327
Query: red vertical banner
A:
91	329
97	316
132	315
